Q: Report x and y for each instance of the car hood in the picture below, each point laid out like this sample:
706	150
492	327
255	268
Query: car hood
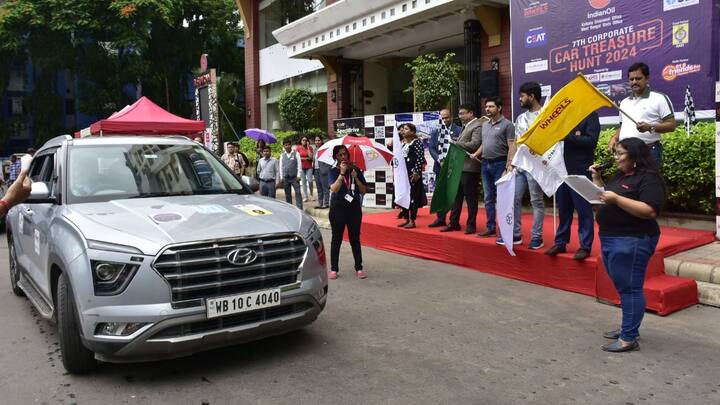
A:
151	223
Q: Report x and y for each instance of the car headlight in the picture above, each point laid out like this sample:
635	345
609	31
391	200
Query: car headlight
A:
111	278
312	235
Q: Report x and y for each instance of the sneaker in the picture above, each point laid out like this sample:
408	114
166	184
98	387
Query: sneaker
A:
517	241
332	275
360	274
536	244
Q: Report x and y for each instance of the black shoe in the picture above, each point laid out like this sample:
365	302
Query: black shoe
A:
470	231
487	234
553	251
403	224
581	254
615	335
437	223
617	347
451	228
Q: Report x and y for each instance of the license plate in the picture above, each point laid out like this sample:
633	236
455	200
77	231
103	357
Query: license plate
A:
235	304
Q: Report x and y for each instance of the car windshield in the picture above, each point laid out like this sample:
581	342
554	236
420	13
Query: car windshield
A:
108	172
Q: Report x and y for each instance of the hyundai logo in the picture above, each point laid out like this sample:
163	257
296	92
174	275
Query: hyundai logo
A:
241	256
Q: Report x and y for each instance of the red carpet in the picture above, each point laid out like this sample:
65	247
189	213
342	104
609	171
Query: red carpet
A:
665	294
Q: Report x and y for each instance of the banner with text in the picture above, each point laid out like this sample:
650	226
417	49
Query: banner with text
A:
554	40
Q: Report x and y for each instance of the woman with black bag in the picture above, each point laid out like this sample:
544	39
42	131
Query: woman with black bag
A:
347	185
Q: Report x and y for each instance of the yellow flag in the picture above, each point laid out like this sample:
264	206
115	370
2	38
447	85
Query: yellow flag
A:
565	110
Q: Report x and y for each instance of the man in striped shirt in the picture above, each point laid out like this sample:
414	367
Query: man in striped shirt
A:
651	109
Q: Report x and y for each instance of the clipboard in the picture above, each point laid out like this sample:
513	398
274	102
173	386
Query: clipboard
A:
586	188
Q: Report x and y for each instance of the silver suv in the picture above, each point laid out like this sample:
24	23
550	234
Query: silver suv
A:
146	248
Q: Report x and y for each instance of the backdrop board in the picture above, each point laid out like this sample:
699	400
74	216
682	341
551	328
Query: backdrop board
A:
554	40
380	129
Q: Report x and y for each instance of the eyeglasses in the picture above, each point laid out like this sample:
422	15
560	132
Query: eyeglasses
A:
618	154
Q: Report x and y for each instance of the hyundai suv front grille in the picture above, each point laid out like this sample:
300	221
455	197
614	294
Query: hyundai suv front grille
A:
204	269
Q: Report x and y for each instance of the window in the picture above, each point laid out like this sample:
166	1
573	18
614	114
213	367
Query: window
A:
372	19
337	32
294	48
322	38
354	26
392	11
347	28
331	34
414	3
382	16
364	22
404	7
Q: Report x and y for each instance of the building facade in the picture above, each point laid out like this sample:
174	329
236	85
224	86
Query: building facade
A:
362	48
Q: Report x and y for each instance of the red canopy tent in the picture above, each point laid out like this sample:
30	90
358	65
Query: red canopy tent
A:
145	118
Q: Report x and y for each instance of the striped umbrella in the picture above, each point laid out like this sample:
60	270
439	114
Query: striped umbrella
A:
365	153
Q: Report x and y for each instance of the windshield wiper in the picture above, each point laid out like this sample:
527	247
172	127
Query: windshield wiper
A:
228	191
161	194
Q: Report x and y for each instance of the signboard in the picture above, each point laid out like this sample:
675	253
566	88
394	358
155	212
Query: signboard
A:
554	40
380	129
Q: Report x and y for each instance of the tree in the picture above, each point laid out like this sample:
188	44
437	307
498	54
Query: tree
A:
435	80
298	108
119	49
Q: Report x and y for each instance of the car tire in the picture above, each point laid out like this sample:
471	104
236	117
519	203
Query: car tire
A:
14	270
76	358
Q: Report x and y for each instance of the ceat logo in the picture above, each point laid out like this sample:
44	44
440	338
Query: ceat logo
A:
599	4
535	37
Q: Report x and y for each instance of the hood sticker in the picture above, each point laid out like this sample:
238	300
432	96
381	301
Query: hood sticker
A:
210	209
252	209
167	217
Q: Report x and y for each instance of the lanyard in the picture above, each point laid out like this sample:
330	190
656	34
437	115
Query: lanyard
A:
348	184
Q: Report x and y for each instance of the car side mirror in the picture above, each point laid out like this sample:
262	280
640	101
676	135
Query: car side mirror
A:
251	182
40	193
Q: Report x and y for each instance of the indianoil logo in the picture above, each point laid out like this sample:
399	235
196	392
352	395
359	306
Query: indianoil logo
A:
599	4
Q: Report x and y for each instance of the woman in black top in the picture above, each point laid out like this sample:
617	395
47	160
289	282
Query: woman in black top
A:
414	156
629	233
347	185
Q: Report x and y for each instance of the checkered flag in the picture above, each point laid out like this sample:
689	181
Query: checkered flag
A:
690	119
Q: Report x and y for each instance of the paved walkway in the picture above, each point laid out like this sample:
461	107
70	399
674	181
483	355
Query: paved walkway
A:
701	264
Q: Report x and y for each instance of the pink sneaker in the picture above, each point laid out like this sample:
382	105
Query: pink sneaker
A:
332	275
360	274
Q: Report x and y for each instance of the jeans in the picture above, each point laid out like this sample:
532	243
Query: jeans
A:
524	181
468	192
290	183
656	154
321	180
567	202
342	216
306	177
491	172
267	188
626	259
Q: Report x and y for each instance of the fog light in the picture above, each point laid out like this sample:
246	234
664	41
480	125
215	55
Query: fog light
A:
118	328
107	271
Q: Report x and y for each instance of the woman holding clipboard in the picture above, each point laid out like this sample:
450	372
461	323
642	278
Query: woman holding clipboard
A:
629	232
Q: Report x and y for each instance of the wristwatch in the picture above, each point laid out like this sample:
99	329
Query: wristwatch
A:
652	128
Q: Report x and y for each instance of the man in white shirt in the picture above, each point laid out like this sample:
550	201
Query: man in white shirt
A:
290	170
651	109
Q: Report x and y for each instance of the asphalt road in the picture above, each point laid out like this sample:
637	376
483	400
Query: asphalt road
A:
414	332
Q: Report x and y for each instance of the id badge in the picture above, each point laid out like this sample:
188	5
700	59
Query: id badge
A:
348	197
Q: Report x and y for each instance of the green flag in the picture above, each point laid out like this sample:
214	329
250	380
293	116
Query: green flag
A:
448	181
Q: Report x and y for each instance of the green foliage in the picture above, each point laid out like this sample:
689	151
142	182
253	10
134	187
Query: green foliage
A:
248	145
298	107
435	80
230	90
688	167
153	44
